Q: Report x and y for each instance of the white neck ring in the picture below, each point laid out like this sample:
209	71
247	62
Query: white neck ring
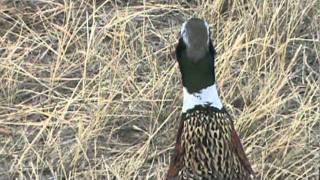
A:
207	96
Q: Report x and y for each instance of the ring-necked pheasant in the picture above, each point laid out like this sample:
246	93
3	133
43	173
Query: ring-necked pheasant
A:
207	145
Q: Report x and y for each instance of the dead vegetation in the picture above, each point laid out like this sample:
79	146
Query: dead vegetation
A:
91	90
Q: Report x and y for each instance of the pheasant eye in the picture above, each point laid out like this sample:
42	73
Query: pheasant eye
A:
183	29
183	33
208	27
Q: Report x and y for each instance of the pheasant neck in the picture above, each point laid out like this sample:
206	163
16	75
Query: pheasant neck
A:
205	97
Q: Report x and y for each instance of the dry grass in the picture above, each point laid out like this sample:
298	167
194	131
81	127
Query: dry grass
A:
91	90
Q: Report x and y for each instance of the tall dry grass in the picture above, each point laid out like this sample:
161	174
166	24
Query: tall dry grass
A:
91	89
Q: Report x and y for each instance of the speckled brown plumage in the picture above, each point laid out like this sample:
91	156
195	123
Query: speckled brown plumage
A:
208	147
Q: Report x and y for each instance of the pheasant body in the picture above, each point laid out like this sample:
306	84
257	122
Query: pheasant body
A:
206	140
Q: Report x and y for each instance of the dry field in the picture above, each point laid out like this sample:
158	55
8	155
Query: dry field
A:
89	89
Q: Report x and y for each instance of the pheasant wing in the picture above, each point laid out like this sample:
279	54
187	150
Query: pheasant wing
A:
238	149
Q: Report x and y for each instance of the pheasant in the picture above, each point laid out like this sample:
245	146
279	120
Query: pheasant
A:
207	144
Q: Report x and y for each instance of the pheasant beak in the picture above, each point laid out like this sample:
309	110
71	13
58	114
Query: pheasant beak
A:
195	34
